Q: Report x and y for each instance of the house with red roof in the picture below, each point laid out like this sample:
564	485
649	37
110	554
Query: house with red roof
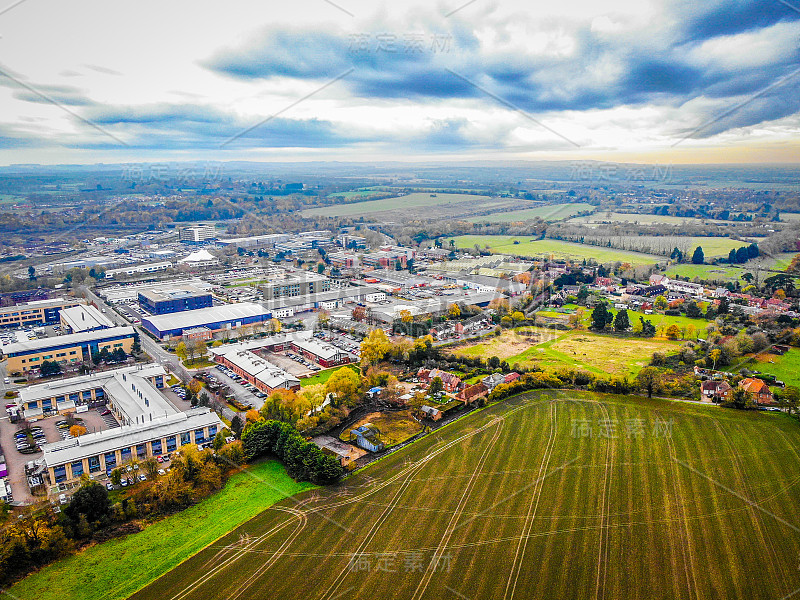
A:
758	390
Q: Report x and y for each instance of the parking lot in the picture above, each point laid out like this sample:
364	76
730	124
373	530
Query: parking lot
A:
93	420
245	395
288	364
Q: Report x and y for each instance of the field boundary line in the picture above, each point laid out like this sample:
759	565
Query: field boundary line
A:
233	558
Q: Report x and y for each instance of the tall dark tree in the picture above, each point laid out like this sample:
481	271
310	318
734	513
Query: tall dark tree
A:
698	257
621	321
90	501
601	317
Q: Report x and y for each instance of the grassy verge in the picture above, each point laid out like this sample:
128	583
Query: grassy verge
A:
120	567
323	376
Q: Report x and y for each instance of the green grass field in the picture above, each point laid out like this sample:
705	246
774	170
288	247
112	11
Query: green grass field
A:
528	247
409	201
550	495
551	349
617	217
120	567
785	367
723	273
660	321
546	213
323	376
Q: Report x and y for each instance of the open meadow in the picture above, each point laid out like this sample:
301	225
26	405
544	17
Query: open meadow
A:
535	248
409	201
551	349
556	494
617	217
548	213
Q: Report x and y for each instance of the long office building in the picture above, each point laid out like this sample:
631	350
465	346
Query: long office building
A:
66	349
97	454
38	312
258	371
130	392
216	318
152	267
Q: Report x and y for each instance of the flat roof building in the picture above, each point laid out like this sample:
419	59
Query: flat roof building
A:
97	454
130	392
37	312
151	267
215	318
78	319
66	349
163	301
197	234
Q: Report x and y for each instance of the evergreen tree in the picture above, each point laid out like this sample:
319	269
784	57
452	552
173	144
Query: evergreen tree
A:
601	317
698	257
621	321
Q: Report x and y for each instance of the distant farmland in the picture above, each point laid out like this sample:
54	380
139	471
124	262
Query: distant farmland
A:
616	217
504	244
552	495
401	203
547	213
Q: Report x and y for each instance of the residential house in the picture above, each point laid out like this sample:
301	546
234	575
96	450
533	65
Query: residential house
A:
758	390
471	393
451	382
716	390
434	414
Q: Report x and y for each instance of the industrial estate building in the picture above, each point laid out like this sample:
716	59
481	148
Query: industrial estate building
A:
83	318
152	267
258	371
289	285
38	312
150	425
179	298
102	452
116	388
73	348
215	318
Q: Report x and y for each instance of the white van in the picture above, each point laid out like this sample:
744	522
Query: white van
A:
62	499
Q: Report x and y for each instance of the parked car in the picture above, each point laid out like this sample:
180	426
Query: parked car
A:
109	486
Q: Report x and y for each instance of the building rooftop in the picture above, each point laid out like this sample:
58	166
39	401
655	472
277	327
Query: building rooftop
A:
184	290
65	340
93	444
214	314
85	318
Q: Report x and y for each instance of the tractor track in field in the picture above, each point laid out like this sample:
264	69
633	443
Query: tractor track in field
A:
432	567
687	550
238	552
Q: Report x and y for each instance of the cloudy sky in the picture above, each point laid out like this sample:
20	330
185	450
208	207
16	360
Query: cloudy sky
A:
632	80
